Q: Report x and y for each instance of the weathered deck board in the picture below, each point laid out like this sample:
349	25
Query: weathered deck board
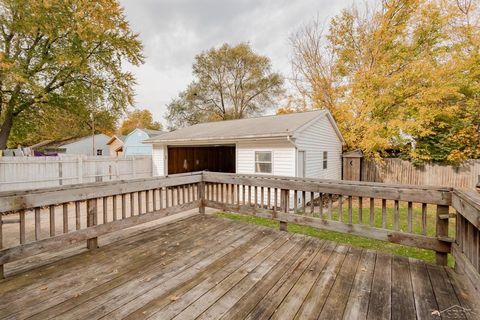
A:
210	268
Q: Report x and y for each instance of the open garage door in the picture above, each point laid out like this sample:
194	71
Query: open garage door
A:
211	158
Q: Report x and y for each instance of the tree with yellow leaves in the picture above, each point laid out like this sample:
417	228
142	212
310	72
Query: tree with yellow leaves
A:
63	55
403	76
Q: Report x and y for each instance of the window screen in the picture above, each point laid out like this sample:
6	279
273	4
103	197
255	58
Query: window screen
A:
325	159
263	162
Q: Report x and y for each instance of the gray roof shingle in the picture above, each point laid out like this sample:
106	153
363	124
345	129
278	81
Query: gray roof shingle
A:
267	126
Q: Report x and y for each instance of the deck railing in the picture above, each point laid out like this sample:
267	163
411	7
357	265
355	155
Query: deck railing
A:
415	216
36	221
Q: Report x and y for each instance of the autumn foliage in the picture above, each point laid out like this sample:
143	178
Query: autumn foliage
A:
402	76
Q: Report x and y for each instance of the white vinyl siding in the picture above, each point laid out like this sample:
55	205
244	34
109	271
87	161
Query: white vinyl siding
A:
316	139
283	156
283	160
158	160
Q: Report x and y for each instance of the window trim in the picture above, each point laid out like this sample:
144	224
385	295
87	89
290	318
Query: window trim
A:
255	161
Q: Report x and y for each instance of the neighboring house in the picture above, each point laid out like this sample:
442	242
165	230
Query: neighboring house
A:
306	144
81	146
133	143
115	145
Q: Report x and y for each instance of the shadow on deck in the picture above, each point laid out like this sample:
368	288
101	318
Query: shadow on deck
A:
205	267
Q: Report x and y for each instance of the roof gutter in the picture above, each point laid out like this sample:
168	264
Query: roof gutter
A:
251	137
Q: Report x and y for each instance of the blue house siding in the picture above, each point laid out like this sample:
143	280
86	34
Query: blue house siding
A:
133	143
85	146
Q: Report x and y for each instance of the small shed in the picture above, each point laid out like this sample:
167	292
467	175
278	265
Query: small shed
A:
133	143
352	165
306	144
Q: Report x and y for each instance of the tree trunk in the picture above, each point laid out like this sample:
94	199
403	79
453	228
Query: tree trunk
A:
5	130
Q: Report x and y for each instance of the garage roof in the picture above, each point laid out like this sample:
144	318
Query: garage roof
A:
267	126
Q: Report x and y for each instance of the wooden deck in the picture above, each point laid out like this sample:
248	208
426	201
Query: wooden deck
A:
205	267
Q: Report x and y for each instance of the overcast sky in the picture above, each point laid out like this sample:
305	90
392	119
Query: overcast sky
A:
174	31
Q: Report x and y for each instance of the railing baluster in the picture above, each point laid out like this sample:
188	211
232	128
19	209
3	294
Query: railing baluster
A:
410	216
65	218
396	214
360	210
166	197
105	209
160	198
312	204
340	208
139	202
255	198
384	213
372	212
52	220
275	197
320	202
304	202
350	204
262	196
269	196
424	219
147	201
22	226
132	205
124	206
114	207
330	205
237	186
37	223
295	201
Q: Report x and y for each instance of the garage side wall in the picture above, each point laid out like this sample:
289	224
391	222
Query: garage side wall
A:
283	154
158	160
316	139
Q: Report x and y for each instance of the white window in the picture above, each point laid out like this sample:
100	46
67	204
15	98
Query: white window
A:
263	161
325	159
99	152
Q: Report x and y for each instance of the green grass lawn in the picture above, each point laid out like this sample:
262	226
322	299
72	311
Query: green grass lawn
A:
357	241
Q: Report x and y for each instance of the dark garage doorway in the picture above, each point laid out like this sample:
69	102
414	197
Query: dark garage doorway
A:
211	158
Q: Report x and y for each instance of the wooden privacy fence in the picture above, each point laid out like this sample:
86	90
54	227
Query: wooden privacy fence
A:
54	218
392	170
22	173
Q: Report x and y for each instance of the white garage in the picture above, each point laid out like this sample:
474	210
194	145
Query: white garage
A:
306	144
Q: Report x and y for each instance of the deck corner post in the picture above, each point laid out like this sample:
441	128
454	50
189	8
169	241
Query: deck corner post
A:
92	243
442	232
201	197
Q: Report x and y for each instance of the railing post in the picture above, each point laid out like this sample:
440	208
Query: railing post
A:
284	207
92	243
442	232
201	197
